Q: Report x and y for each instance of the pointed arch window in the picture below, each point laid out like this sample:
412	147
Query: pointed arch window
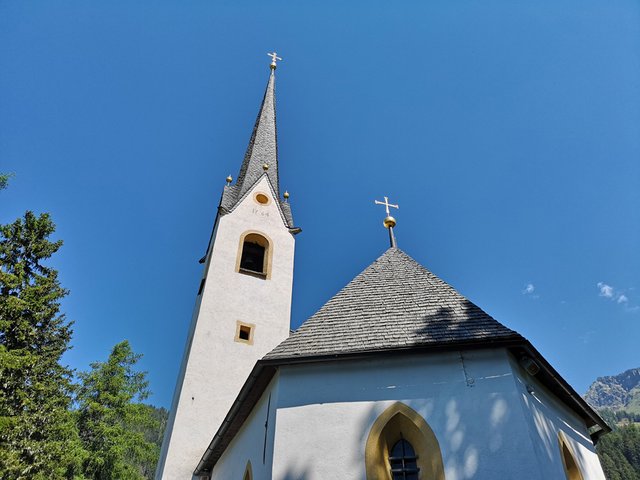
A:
401	445
248	474
403	461
254	256
571	469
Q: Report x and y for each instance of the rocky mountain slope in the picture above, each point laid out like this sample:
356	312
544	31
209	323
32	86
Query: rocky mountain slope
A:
618	392
617	399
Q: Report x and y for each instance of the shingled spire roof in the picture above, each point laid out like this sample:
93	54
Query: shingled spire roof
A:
395	303
263	145
262	150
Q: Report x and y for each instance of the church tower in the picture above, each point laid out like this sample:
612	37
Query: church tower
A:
243	305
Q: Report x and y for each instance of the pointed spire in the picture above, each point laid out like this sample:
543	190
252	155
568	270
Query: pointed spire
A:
262	153
261	158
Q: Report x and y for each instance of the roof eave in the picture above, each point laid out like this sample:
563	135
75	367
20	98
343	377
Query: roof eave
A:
559	387
425	348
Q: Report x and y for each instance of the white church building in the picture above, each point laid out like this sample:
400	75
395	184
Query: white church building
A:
397	376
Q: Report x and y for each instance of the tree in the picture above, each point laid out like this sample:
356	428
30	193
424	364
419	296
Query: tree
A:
620	453
4	180
112	420
38	438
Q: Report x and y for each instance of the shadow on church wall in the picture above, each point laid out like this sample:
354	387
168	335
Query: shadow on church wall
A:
468	429
296	473
474	413
463	448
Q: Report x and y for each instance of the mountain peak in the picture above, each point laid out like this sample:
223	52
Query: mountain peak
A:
617	392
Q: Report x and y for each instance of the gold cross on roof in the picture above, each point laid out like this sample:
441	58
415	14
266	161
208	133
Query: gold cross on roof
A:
274	56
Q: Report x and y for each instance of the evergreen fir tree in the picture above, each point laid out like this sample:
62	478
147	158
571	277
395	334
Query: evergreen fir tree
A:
620	453
4	180
113	423
38	438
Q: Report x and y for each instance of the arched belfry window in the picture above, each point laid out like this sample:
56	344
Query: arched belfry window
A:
571	469
401	445
254	255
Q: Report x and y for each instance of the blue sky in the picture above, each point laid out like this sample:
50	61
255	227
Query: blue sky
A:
508	132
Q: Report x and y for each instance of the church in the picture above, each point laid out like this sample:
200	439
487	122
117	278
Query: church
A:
398	376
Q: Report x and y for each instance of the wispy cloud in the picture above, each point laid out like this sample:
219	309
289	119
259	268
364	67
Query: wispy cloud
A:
618	296
587	336
529	290
605	290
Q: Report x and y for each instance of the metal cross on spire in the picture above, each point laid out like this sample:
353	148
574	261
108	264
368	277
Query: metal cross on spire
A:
386	204
389	222
274	56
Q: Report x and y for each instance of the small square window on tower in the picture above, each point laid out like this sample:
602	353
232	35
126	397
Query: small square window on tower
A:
244	332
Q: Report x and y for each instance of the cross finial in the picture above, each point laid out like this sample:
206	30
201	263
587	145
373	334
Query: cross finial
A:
386	204
274	56
389	222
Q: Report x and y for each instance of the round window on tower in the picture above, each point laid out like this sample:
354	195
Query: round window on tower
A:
262	199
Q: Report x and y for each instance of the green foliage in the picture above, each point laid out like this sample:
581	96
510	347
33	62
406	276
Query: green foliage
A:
156	434
608	416
620	453
4	180
111	435
618	417
633	406
114	426
152	429
38	438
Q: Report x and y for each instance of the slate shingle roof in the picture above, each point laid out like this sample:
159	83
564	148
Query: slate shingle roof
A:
285	207
395	303
263	148
263	145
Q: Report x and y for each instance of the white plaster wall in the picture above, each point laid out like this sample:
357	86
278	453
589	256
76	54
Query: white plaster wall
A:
546	417
215	366
249	443
325	412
